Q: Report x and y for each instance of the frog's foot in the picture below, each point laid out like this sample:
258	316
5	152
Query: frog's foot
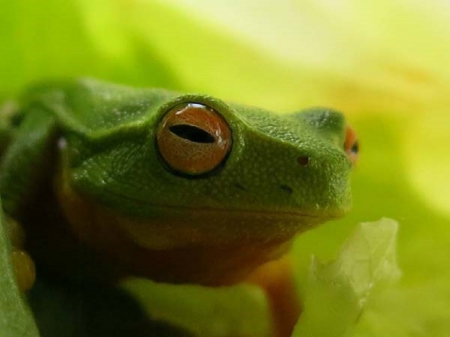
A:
276	278
24	269
23	265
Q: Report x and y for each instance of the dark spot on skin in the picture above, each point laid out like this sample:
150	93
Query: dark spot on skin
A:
303	161
240	186
287	189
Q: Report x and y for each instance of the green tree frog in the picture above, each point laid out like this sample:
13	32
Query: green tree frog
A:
109	181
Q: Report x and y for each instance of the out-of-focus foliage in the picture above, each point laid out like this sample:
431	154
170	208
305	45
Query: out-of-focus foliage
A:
240	310
384	62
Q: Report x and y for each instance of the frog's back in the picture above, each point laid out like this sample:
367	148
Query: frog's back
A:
48	110
88	105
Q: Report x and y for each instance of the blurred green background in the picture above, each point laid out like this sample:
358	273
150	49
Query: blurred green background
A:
384	63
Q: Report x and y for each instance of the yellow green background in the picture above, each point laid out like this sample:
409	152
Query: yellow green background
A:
386	64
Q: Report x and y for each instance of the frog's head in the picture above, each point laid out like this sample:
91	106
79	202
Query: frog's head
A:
196	169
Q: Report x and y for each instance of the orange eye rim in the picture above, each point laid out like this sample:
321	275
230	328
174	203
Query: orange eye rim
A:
193	140
351	145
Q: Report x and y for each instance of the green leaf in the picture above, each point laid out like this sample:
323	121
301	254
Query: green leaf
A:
335	293
15	317
240	310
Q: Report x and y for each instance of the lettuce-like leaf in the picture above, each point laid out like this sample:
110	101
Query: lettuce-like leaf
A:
335	293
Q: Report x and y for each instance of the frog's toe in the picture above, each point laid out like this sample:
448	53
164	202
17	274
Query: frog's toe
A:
15	231
24	269
23	265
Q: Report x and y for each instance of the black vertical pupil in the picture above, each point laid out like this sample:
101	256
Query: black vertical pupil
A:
192	133
355	148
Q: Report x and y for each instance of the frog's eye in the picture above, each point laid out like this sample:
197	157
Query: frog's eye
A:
193	139
351	144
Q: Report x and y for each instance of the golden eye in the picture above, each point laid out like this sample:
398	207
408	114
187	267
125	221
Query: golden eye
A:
351	145
193	139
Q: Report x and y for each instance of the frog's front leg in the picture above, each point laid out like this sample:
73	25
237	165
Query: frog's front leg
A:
23	265
23	167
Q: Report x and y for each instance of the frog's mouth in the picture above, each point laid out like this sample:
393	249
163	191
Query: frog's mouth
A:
233	216
172	226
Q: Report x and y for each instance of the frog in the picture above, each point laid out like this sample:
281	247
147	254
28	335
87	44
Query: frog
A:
100	181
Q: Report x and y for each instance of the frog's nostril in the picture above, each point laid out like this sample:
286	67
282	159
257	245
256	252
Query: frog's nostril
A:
303	160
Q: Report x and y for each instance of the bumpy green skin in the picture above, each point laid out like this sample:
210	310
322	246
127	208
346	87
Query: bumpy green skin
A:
112	155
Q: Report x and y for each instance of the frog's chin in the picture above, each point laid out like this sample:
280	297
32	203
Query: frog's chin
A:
211	247
174	227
